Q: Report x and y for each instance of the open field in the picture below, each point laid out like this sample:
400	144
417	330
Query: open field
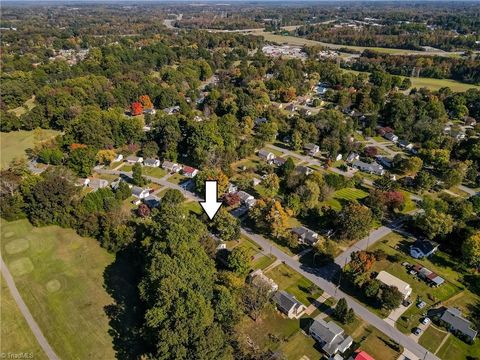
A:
343	195
16	336
60	276
154	171
430	83
14	143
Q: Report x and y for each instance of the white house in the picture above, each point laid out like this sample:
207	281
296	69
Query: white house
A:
151	162
134	159
369	168
82	182
353	156
390	280
189	171
139	192
232	188
246	198
266	155
423	248
330	337
404	144
118	158
96	184
339	157
304	170
391	136
312	149
289	305
171	166
305	235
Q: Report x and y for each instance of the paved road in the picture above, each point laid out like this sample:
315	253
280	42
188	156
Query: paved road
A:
320	277
26	313
315	276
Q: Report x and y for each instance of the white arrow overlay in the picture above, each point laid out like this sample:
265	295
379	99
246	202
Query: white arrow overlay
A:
211	204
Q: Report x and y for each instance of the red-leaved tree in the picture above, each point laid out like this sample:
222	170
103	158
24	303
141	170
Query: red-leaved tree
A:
136	109
143	210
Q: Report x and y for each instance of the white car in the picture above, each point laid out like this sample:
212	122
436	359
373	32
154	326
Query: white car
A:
426	321
421	304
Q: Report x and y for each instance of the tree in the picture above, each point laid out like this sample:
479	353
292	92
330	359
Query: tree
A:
239	261
271	184
173	197
341	310
455	173
143	210
471	250
424	181
123	191
288	167
371	151
390	297
434	223
150	149
371	288
136	109
349	317
354	221
255	298
145	101
137	177
105	156
361	262
226	225
82	160
411	165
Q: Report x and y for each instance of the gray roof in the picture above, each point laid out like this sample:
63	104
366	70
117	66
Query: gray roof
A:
244	196
285	301
454	317
152	201
264	153
97	183
325	331
310	146
425	246
136	190
306	234
133	158
374	168
150	161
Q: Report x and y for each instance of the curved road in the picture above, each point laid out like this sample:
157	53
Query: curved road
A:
26	313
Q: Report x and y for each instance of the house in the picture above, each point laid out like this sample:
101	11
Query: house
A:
311	149
149	112
134	159
152	201
456	322
82	182
139	192
256	181
458	134
369	168
118	158
339	157
172	110
390	280
384	161
320	90
288	304
330	337
352	157
404	144
266	155
232	188
305	235
279	161
258	278
304	170
428	276
136	201
96	184
197	118
246	198
291	107
259	121
423	248
391	136
146	128
362	355
189	171
116	183
151	162
384	130
171	166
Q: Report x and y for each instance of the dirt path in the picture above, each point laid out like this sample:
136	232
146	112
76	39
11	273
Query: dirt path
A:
26	313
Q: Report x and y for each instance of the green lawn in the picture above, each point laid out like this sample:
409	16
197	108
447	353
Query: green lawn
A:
176	179
342	195
454	348
300	345
15	334
269	331
294	283
14	143
155	172
60	276
126	167
193	207
432	338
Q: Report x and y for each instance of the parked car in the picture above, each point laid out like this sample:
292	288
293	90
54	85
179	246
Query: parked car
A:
406	303
426	321
421	304
417	331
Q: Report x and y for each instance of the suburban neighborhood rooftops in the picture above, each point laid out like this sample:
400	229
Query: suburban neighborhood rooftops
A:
390	280
454	318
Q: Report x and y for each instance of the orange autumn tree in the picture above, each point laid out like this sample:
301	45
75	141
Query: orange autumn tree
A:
136	109
146	102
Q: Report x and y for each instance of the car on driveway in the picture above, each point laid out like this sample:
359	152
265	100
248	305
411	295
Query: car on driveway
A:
421	304
417	331
426	321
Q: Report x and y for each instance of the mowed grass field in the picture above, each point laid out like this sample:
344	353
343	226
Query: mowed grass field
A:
15	334
14	144
432	84
60	277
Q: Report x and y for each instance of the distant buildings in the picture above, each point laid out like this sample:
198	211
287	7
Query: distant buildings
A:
390	280
284	50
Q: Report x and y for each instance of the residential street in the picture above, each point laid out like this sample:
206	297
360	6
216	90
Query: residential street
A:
321	276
